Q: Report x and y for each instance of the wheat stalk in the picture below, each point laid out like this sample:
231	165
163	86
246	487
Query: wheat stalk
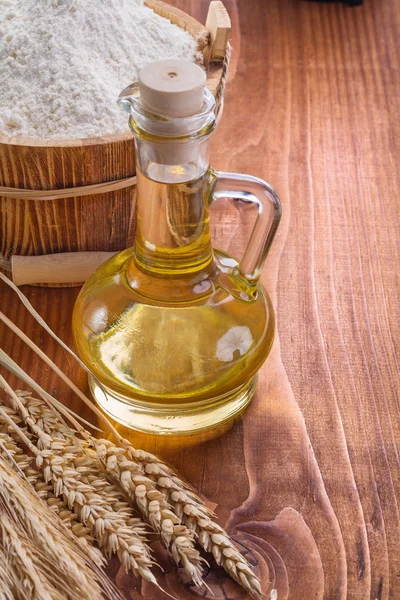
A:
36	536
12	585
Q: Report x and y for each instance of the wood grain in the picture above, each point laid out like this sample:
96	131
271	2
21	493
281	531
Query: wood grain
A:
96	222
309	479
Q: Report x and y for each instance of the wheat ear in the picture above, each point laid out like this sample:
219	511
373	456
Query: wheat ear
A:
197	517
130	467
112	524
153	506
16	457
64	465
141	490
70	568
23	569
88	464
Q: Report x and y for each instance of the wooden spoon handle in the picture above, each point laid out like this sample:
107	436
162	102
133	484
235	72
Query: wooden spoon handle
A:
57	269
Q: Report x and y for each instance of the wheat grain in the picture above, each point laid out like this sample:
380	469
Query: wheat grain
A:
18	459
75	477
153	506
21	576
197	517
150	503
70	567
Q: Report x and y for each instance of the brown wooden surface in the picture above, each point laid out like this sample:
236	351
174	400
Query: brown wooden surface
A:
309	479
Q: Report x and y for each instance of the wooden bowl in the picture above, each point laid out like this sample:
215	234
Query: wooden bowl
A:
98	221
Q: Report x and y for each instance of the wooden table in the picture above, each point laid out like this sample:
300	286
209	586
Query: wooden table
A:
309	479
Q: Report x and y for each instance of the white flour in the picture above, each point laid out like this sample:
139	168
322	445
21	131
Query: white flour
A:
64	62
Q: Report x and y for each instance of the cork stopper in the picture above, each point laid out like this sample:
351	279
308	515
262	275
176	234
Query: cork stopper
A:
172	87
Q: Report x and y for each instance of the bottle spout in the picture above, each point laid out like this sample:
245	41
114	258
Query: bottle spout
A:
127	97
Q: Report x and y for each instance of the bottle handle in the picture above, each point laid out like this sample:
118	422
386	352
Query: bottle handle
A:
247	188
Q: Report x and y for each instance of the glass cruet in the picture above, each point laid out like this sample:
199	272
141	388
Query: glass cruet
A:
172	329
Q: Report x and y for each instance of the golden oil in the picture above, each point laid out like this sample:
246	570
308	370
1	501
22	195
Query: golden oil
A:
173	330
163	327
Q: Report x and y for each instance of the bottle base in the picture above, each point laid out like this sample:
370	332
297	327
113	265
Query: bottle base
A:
158	419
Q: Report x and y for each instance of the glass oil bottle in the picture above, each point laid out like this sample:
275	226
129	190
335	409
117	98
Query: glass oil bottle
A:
174	330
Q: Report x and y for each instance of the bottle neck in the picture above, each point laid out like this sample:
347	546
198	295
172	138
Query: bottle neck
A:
173	190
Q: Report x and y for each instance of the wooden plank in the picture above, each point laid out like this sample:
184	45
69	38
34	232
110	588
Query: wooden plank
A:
218	24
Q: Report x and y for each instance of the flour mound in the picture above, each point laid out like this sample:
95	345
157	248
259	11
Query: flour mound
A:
64	62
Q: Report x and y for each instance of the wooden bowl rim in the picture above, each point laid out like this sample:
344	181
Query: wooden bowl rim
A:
159	6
